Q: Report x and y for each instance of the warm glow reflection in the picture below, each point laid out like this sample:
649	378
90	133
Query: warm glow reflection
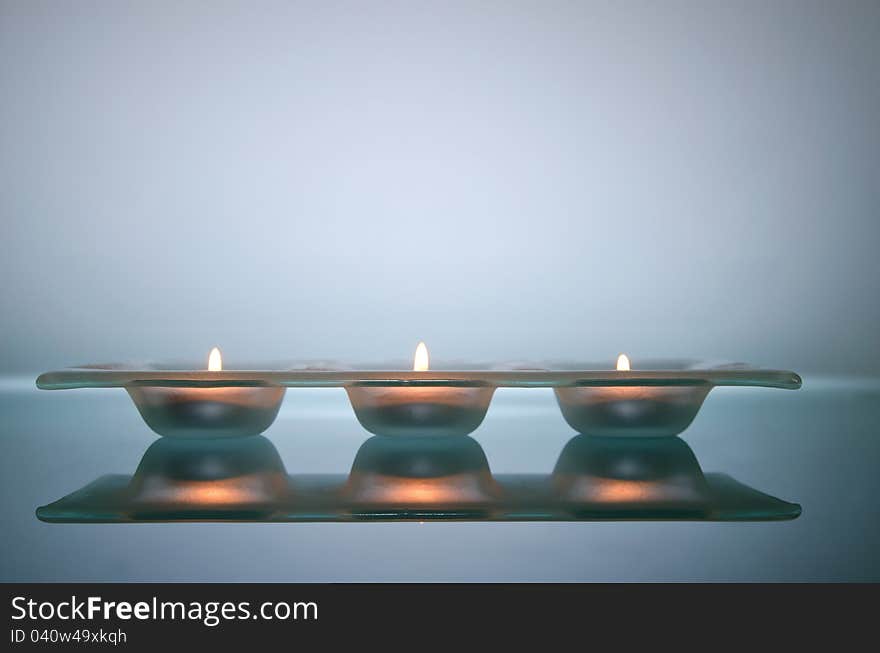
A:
227	492
215	361
623	363
620	491
453	489
420	362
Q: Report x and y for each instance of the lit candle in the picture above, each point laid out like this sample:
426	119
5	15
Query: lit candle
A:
421	361
631	406
215	361
420	404
215	408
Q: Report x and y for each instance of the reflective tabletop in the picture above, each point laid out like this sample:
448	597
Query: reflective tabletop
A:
764	485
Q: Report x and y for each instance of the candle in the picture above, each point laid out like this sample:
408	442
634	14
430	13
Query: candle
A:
414	405
421	361
631	407
215	408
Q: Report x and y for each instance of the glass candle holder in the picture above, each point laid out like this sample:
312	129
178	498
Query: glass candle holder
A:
207	412
659	399
420	408
631	410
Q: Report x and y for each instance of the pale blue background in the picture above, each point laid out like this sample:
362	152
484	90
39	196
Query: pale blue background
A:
500	179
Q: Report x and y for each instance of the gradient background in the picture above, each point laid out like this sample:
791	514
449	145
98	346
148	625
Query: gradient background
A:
504	180
500	179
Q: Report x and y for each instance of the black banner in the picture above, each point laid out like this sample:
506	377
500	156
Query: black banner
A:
136	615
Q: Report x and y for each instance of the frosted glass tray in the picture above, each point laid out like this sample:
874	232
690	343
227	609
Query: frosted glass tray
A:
514	375
660	398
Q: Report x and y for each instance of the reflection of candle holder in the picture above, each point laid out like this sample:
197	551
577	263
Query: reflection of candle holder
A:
631	477
424	478
423	409
233	478
207	412
408	475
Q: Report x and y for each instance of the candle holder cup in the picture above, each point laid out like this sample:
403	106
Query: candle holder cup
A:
207	412
177	400
631	410
420	409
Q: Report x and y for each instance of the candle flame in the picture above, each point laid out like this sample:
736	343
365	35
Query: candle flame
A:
420	362
623	363
215	361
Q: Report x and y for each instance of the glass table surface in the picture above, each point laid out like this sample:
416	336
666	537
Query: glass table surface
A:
815	449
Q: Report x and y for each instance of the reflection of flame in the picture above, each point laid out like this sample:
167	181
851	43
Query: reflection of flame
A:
420	362
210	493
452	489
619	491
623	363
238	490
215	361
